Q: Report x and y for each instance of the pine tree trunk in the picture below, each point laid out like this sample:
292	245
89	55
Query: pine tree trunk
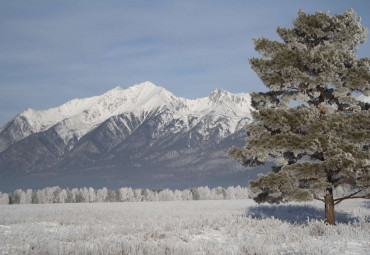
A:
329	207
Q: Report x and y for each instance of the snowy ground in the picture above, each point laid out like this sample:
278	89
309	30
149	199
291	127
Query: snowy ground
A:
183	227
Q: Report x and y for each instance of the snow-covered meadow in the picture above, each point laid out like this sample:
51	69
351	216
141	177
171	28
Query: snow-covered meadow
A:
183	227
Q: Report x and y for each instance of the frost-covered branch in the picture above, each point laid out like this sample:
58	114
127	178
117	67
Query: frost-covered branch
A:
319	199
352	196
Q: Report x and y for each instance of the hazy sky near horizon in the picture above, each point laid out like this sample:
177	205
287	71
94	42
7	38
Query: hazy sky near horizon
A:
54	51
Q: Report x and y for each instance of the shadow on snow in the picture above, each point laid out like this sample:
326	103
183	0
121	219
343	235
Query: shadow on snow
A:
298	214
366	204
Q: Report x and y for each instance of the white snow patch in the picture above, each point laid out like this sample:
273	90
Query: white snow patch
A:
365	99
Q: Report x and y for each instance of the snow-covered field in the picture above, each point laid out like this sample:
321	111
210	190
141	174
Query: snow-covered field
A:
183	227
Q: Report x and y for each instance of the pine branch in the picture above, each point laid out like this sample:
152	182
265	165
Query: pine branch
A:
352	196
309	179
365	196
317	156
319	199
344	180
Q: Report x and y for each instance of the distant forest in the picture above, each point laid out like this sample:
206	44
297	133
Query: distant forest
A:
51	195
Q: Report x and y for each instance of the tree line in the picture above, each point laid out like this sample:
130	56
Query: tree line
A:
51	195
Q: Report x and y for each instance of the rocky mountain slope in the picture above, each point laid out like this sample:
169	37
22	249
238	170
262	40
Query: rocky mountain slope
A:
140	136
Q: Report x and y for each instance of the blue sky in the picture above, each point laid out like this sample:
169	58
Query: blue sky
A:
54	51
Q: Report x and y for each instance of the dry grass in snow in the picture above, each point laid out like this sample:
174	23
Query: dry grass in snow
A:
183	227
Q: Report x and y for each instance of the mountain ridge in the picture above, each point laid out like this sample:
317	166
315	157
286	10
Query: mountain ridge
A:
140	136
77	117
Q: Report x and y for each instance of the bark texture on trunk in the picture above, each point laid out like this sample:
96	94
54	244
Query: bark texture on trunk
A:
329	207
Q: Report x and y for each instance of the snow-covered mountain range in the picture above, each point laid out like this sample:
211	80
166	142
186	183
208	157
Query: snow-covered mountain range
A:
77	117
140	136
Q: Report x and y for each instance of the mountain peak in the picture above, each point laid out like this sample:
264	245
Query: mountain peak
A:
146	84
133	90
113	91
218	95
118	88
219	91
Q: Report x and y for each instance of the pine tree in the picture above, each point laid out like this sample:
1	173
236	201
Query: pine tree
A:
321	141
